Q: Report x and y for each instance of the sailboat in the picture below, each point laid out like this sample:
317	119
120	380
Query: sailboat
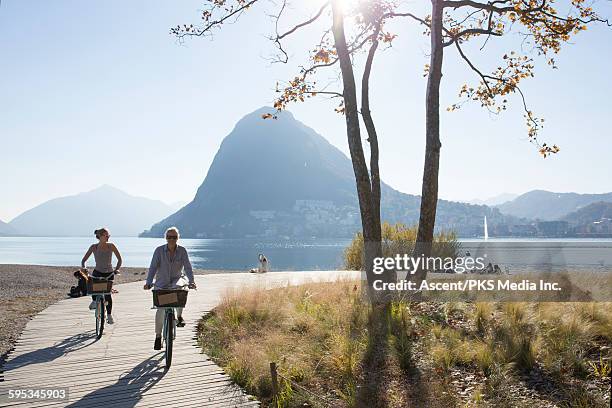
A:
486	230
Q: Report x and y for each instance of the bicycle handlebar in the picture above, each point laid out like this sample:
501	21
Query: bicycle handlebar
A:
152	287
112	274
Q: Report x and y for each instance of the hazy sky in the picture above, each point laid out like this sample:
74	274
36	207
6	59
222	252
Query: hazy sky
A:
98	93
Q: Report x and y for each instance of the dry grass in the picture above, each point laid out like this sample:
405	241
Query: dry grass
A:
315	332
559	346
421	354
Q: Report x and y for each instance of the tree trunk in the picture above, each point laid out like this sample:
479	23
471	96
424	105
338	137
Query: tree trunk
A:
372	136
389	276
429	193
370	228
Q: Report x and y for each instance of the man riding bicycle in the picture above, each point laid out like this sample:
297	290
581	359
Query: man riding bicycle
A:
167	266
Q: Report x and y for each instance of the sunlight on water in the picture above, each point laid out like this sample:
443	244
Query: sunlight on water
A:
232	254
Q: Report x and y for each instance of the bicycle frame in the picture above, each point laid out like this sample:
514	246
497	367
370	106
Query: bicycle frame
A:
167	311
100	311
101	306
168	332
169	323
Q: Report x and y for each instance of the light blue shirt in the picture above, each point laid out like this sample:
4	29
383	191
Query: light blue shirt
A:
168	272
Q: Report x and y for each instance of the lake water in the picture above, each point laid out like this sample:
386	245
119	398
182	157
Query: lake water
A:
319	254
229	254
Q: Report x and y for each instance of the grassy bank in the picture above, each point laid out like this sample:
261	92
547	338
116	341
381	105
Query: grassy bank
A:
333	350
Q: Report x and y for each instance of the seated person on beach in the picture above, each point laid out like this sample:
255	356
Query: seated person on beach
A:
103	254
81	288
263	265
167	266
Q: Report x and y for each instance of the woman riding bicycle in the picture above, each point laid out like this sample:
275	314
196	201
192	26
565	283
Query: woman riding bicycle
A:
167	267
103	254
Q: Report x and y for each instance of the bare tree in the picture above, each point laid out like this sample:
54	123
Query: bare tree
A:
452	23
335	47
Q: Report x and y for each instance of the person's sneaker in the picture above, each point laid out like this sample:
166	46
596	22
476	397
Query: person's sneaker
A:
92	305
109	319
180	322
157	345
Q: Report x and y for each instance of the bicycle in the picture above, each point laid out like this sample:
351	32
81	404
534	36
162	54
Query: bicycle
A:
169	299
99	287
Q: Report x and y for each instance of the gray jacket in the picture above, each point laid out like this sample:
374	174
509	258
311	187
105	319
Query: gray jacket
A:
168	272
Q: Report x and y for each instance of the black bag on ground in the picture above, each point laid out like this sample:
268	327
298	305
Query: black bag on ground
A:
74	292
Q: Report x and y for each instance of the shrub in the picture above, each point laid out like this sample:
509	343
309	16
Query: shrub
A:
515	336
600	369
484	356
399	239
443	357
481	316
400	338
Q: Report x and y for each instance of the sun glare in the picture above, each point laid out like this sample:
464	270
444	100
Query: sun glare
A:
348	4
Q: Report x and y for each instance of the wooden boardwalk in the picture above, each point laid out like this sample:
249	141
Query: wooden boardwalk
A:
58	349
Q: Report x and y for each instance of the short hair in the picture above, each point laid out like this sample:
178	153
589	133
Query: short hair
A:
99	232
178	234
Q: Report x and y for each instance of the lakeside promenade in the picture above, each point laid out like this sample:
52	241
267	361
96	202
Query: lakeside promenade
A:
58	349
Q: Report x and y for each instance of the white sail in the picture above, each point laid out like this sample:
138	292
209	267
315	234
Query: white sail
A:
486	230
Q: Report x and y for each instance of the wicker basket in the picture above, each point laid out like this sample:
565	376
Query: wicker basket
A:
98	286
169	298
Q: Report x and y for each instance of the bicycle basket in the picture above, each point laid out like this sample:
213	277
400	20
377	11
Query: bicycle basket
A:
95	286
169	298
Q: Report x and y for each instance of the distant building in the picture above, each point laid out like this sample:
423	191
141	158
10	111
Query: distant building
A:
552	228
499	230
603	226
263	215
313	205
523	230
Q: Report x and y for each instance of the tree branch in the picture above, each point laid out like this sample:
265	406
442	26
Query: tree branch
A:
305	23
469	31
473	67
193	31
489	6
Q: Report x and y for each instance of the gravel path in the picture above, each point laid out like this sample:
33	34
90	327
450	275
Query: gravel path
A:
26	290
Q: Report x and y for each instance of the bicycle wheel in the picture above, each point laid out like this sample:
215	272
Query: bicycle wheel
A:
169	338
99	317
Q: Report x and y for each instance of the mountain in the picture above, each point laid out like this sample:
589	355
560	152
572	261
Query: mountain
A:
280	178
496	200
545	205
7	229
81	214
176	205
591	213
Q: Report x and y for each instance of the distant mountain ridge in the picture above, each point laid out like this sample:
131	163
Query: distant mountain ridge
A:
275	178
493	201
7	229
546	205
591	213
80	214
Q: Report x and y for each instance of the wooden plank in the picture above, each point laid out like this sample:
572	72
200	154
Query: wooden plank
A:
171	388
57	348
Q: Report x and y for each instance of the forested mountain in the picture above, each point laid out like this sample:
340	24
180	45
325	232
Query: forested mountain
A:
280	178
